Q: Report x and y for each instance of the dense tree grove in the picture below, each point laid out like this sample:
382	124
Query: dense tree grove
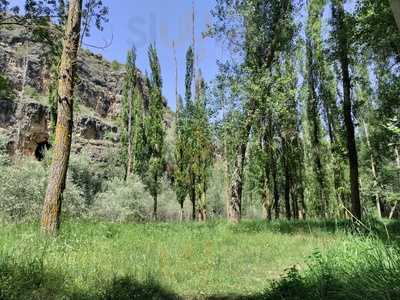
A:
302	101
301	121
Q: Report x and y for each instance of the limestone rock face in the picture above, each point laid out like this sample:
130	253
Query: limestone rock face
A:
25	120
26	124
91	128
22	61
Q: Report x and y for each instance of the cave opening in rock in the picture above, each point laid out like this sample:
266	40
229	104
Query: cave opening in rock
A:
41	149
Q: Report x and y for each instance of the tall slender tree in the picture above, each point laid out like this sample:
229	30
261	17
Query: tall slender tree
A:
343	54
52	203
155	130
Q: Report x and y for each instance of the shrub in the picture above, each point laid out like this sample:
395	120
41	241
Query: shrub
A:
122	201
23	186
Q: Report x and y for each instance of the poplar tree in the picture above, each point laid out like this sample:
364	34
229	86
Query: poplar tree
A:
341	34
155	131
127	112
314	102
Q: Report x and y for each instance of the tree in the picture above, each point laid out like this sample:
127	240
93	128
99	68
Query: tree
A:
187	131
259	52
315	67
203	156
62	147
342	44
127	114
155	131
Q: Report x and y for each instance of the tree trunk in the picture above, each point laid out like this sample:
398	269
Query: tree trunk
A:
338	13
193	199
392	210
62	147
276	189
235	201
395	4
155	207
315	134
181	213
287	190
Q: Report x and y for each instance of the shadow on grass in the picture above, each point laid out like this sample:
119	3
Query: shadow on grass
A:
31	281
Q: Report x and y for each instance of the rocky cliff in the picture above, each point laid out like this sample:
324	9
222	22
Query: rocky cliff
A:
25	119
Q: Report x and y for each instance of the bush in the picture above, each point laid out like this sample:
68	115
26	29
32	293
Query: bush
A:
122	201
23	186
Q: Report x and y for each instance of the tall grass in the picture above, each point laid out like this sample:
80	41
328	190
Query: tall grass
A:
99	260
355	269
90	259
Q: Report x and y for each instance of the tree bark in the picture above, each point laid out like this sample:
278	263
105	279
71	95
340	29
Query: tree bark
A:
395	4
287	189
193	198
276	189
235	201
155	207
181	213
62	147
338	13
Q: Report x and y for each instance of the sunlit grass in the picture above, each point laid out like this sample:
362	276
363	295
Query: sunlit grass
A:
190	260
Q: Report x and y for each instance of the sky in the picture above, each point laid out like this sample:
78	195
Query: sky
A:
139	23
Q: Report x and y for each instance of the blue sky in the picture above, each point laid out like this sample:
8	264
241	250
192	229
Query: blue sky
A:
163	21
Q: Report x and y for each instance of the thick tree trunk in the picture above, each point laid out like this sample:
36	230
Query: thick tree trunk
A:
338	13
52	203
235	201
395	4
266	200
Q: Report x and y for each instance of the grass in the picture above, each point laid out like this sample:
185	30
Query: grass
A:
97	260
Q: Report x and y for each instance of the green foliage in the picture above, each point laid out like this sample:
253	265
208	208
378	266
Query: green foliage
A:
122	201
154	126
115	65
6	91
23	202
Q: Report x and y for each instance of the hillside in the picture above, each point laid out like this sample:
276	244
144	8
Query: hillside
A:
25	120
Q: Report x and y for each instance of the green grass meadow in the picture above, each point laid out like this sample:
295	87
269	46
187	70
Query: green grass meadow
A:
98	260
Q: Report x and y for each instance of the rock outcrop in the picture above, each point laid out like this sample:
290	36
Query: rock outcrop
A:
25	120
